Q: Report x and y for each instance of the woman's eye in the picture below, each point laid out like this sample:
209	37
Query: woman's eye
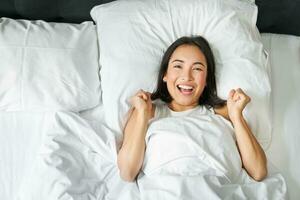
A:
198	69
177	66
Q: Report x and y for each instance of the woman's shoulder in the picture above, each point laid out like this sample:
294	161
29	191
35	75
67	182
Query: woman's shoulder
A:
223	111
159	109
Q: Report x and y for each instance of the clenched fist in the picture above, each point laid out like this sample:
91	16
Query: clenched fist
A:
236	102
141	101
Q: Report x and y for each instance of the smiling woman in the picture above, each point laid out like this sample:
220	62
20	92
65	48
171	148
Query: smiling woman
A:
185	77
186	83
187	59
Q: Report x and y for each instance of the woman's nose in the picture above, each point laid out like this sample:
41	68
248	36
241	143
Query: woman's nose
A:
187	75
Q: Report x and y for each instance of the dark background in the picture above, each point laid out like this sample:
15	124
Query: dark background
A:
274	16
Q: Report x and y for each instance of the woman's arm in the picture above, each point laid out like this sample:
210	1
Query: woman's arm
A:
131	154
252	155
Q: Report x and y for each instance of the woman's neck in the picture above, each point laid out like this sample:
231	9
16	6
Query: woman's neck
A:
179	108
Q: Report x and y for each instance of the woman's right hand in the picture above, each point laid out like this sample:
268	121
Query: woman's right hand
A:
132	151
141	101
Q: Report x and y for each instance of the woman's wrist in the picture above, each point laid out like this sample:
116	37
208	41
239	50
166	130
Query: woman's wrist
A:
143	113
237	118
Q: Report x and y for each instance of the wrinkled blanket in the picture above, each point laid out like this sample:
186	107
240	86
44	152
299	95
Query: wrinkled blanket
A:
188	158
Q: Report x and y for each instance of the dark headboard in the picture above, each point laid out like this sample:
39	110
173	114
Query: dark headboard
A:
71	11
279	16
274	16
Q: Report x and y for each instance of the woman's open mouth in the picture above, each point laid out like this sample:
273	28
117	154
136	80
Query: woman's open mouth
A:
185	89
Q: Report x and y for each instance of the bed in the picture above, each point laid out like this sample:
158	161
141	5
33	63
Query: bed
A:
63	105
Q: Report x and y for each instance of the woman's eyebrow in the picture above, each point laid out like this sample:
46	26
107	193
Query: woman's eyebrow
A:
195	63
177	61
200	63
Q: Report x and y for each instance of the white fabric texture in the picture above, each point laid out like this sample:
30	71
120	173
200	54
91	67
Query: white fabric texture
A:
71	159
20	140
130	61
60	156
284	51
48	66
192	143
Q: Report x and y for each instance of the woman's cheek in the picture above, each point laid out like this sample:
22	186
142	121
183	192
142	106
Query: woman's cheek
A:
173	76
201	78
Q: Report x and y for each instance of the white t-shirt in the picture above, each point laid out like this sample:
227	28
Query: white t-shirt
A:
162	110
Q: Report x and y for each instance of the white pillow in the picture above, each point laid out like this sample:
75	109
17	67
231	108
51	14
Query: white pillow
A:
48	66
134	34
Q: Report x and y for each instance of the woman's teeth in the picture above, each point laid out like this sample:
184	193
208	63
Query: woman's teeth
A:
185	88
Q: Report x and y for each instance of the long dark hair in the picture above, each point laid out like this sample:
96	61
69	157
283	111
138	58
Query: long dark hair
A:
209	96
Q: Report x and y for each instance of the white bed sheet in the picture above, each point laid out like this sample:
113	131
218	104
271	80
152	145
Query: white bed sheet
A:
23	136
284	52
284	55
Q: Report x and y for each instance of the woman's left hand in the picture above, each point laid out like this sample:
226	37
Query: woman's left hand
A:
236	102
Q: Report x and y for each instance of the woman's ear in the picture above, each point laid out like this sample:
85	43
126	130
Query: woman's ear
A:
164	79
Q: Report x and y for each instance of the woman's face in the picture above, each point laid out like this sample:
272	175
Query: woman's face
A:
186	77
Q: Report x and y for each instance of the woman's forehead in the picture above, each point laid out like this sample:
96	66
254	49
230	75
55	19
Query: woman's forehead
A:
187	53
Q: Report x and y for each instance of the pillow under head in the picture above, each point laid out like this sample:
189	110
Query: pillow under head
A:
134	34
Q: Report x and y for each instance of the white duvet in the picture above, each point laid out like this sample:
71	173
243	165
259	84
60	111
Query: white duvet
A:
196	157
199	143
76	159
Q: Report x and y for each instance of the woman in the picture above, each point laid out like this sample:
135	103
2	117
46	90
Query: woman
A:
187	80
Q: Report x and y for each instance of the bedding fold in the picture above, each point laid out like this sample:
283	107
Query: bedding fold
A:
75	159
